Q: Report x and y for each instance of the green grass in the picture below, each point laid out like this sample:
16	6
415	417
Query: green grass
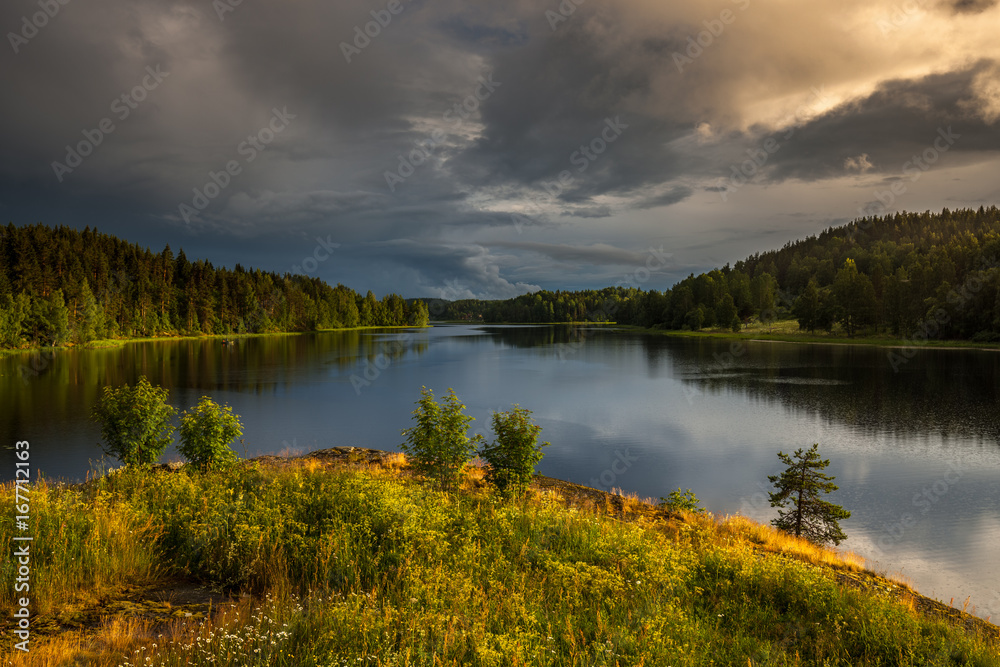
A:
787	331
104	343
369	567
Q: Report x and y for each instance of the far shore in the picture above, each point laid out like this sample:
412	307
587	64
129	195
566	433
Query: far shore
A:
759	336
105	343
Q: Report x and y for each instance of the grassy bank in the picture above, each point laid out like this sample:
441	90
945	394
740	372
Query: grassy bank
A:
357	563
104	343
787	331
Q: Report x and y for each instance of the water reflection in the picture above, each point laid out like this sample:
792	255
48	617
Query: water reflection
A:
950	392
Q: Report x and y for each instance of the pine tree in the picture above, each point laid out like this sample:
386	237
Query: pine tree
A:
90	321
801	485
807	306
855	297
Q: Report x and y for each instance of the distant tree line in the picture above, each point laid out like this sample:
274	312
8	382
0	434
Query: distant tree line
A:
60	285
895	274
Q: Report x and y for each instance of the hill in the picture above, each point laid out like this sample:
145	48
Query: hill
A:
906	274
344	557
61	285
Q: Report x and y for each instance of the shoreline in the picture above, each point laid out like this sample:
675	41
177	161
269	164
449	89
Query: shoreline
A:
808	339
112	343
163	600
630	508
753	337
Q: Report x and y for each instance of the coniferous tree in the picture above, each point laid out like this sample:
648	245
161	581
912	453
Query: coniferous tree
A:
762	289
725	311
807	307
855	297
89	324
801	510
14	312
439	444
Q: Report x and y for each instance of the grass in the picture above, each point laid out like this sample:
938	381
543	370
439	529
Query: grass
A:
788	331
105	343
364	565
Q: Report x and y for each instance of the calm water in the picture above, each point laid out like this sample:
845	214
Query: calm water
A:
916	452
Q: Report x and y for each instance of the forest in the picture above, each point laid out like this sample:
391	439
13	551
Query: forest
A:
900	274
63	286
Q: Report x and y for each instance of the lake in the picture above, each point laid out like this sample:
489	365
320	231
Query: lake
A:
914	446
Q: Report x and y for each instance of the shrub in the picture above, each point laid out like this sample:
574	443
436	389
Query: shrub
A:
681	500
439	444
135	422
514	453
206	433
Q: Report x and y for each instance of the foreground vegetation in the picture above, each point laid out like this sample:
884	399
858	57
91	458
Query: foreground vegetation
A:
366	564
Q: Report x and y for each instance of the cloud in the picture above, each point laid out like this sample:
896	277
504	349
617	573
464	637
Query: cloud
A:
672	196
441	269
592	133
588	212
594	254
860	164
893	124
972	6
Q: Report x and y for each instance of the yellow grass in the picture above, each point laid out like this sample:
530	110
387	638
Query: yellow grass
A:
771	539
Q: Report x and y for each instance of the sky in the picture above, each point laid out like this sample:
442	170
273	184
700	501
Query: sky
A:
469	149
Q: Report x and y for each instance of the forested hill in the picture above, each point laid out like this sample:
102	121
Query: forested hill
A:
61	285
905	274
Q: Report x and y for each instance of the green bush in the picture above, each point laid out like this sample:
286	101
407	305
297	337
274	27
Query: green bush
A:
681	500
135	422
207	430
439	444
514	453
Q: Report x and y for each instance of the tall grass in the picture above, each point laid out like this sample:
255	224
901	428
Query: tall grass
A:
86	543
368	567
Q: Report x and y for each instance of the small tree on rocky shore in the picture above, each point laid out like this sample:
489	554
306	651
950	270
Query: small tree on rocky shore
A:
135	422
439	444
514	453
207	432
801	511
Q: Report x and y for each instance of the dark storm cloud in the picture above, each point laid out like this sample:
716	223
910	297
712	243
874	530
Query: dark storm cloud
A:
596	254
445	270
396	147
587	212
971	6
900	120
574	105
671	196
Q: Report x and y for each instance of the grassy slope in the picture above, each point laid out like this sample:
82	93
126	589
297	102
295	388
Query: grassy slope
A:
361	564
788	331
103	343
